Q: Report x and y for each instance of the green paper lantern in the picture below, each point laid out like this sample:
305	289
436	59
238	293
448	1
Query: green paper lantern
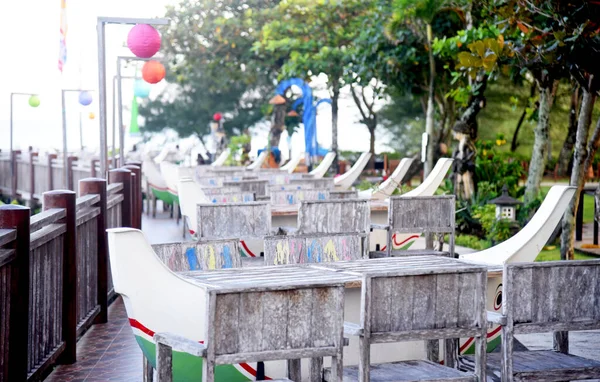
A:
34	101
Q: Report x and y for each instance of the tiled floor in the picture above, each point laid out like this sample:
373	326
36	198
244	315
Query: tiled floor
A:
106	352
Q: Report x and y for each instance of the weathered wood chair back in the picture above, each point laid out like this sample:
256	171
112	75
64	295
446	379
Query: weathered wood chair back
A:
232	197
315	248
190	256
323	183
343	194
558	295
290	197
279	322
422	214
233	220
221	190
259	187
334	216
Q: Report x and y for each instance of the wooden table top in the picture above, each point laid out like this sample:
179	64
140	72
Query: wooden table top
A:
349	273
292	210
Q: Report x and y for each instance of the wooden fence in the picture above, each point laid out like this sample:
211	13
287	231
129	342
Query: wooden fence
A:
54	272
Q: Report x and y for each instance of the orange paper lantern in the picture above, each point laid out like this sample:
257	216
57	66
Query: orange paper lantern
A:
91	115
153	72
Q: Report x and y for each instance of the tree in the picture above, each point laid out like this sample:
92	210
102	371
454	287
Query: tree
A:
211	67
315	37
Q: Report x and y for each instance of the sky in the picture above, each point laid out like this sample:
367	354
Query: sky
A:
30	65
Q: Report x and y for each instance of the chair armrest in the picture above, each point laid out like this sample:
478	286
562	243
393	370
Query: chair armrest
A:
180	344
352	329
383	227
496	318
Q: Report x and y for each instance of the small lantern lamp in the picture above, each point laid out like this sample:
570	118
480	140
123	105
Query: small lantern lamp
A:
85	98
506	206
277	100
91	115
34	101
143	40
141	89
153	72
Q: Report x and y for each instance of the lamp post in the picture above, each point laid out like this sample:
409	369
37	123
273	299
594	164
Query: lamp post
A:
12	159
100	26
66	179
117	80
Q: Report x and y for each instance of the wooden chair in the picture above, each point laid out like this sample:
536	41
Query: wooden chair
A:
290	197
259	187
343	194
318	183
412	304
305	320
411	216
315	248
233	220
190	256
558	296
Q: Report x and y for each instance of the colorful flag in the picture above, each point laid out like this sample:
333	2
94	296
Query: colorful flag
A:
134	128
62	53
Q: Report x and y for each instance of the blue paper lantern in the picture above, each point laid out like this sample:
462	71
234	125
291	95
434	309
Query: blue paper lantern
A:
85	98
142	89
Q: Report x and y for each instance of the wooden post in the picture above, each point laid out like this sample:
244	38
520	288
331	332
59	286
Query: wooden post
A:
579	218
17	217
13	164
141	196
66	199
97	186
69	169
137	195
32	175
51	157
122	175
93	168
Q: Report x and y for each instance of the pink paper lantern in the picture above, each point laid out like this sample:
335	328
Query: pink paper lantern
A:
143	40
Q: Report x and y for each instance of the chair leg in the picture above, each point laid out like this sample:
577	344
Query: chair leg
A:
481	356
148	371
184	226
294	370
337	368
364	362
164	363
507	350
433	350
451	352
154	205
208	370
316	369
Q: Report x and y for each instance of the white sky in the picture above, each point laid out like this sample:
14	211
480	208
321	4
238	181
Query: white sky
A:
29	64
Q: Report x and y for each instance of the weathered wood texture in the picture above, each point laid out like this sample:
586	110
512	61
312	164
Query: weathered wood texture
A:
333	216
186	256
258	187
315	248
14	299
221	190
409	299
343	195
544	297
233	197
289	197
233	220
323	183
422	214
113	220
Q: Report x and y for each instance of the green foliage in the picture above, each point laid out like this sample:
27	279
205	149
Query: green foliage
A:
365	185
495	168
236	145
472	242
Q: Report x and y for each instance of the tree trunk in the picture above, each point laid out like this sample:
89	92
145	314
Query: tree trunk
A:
566	152
277	125
581	158
372	146
429	119
537	164
514	144
476	104
335	85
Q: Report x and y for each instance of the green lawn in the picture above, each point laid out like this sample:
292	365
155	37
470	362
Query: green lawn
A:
588	205
554	254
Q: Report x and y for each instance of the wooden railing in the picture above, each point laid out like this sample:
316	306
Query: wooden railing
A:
54	272
34	175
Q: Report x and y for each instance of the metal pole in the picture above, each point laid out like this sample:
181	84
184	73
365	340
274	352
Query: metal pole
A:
102	99
64	131
12	169
120	108
81	130
114	122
